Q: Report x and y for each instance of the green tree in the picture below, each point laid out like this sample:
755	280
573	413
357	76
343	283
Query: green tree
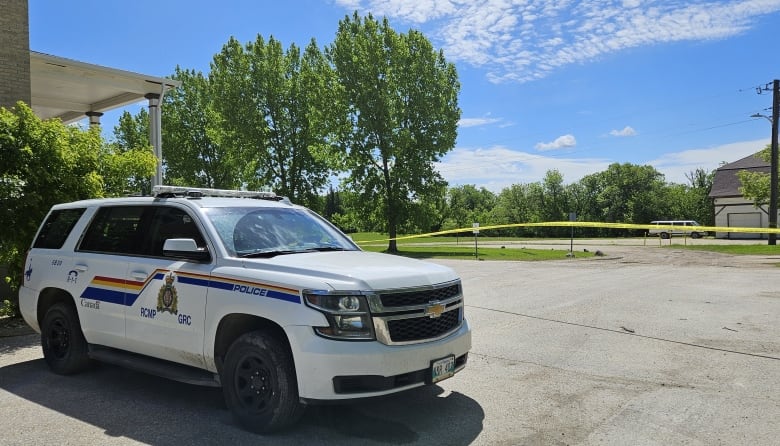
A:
277	114
756	185
514	206
191	135
702	208
41	163
401	101
132	131
631	193
468	204
128	163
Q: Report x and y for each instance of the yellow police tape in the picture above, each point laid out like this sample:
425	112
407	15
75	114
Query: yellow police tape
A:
587	224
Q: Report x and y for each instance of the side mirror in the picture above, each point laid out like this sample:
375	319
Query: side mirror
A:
186	249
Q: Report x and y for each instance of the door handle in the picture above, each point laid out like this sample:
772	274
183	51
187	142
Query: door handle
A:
139	275
80	267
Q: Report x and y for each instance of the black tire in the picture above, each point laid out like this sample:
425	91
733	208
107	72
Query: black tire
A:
64	347
259	383
695	235
664	235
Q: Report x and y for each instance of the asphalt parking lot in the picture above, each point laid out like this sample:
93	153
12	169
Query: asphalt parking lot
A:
643	347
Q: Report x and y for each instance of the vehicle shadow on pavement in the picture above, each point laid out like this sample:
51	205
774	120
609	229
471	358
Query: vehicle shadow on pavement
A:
144	408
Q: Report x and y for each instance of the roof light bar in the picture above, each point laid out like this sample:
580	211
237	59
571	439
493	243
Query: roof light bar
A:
194	192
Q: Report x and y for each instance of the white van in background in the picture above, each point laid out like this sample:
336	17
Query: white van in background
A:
669	228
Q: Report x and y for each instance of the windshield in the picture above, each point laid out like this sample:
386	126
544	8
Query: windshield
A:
266	232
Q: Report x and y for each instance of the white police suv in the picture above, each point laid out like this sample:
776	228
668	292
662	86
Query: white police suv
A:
242	290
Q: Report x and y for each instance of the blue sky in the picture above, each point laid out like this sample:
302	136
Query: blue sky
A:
567	85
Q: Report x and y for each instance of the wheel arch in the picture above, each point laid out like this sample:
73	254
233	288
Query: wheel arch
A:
234	325
50	296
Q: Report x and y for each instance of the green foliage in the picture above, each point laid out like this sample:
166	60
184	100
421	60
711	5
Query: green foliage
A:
8	309
400	98
756	185
276	114
44	162
467	205
127	164
192	135
41	163
126	172
132	131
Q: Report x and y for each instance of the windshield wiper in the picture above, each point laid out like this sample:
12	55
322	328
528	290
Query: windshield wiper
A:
267	254
327	248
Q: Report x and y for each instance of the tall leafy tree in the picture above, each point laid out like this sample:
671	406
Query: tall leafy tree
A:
401	100
275	110
702	208
556	200
191	136
512	206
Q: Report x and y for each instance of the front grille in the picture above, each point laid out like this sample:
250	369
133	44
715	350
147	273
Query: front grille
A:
409	316
421	328
419	297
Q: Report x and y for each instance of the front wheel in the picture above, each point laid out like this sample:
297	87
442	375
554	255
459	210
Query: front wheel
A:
64	346
259	383
695	235
664	235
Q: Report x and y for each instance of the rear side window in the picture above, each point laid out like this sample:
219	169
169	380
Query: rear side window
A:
115	230
56	228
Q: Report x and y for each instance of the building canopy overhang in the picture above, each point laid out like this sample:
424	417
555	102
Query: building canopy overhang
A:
68	89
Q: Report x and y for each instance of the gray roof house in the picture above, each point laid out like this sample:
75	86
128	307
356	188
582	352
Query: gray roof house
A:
731	208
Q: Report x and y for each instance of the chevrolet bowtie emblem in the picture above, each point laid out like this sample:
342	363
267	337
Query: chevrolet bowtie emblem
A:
434	310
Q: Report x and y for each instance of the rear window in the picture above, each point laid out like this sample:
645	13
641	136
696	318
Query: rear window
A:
115	230
56	228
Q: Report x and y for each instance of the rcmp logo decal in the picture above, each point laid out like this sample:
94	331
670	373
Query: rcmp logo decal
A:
167	298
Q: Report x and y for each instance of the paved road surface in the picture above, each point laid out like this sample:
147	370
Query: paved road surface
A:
645	346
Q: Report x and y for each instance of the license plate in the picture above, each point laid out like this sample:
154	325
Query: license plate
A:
442	368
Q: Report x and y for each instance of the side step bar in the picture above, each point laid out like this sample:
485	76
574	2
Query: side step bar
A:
153	366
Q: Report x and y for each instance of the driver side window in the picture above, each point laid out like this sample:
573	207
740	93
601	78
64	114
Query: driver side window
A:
169	222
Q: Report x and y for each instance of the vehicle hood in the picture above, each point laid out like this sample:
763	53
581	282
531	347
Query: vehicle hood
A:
359	268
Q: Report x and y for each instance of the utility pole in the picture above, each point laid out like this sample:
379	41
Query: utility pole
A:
773	157
773	163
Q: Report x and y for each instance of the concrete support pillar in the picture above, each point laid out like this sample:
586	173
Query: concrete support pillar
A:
155	135
94	118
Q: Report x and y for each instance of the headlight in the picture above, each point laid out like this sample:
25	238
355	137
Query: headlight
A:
347	314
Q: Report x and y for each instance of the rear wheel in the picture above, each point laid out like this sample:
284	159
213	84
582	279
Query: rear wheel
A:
259	383
695	235
664	235
64	346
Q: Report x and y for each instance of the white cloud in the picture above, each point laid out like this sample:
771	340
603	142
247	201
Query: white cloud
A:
627	131
674	166
476	122
497	167
525	40
560	142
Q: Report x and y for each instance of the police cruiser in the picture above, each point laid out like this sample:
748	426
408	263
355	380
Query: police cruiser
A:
242	290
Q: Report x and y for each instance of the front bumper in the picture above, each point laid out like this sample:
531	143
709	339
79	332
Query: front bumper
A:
339	370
